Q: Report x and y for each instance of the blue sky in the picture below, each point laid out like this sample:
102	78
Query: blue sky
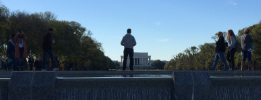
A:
162	28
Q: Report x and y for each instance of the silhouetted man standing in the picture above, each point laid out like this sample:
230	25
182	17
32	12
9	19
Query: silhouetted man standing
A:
128	41
47	48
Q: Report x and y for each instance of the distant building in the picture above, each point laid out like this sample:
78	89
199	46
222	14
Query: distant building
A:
139	60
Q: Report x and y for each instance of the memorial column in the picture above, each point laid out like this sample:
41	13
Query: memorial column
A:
141	61
149	62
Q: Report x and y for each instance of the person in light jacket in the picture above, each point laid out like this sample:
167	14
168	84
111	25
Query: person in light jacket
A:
231	38
128	41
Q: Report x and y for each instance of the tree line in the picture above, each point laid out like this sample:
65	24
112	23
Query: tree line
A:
202	57
73	42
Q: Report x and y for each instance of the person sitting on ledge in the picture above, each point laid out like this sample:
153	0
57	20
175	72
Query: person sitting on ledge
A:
128	41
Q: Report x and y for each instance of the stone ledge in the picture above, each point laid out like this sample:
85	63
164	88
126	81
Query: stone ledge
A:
32	86
192	85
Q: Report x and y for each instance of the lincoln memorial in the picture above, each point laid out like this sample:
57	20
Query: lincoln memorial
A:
139	60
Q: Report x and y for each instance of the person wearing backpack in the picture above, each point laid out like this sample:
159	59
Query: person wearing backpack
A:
231	38
220	50
246	42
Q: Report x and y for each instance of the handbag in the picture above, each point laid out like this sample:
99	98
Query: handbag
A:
9	61
252	46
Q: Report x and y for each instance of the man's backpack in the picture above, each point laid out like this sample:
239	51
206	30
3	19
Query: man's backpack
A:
238	47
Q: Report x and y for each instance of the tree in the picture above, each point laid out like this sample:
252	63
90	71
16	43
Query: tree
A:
72	41
159	64
191	59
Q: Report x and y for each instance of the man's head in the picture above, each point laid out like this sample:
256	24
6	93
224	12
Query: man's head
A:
20	30
219	34
247	31
12	36
129	30
50	30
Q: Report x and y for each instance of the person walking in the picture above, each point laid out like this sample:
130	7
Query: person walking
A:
20	49
231	38
220	50
10	53
128	41
31	62
246	43
47	48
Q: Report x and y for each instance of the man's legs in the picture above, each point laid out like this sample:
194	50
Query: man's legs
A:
222	57
31	67
125	52
52	58
131	51
215	62
249	60
44	58
21	53
244	54
19	61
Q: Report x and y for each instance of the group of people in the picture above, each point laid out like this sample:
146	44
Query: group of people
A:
37	64
246	49
17	51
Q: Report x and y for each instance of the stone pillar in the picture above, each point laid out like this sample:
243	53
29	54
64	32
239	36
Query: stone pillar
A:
121	60
138	61
20	86
146	59
149	61
141	61
144	62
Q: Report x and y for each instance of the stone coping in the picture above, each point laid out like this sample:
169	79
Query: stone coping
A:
7	74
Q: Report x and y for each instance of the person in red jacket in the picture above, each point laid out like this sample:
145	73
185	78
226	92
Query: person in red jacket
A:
20	49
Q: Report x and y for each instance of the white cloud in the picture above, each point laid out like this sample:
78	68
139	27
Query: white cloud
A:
230	2
163	40
158	23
